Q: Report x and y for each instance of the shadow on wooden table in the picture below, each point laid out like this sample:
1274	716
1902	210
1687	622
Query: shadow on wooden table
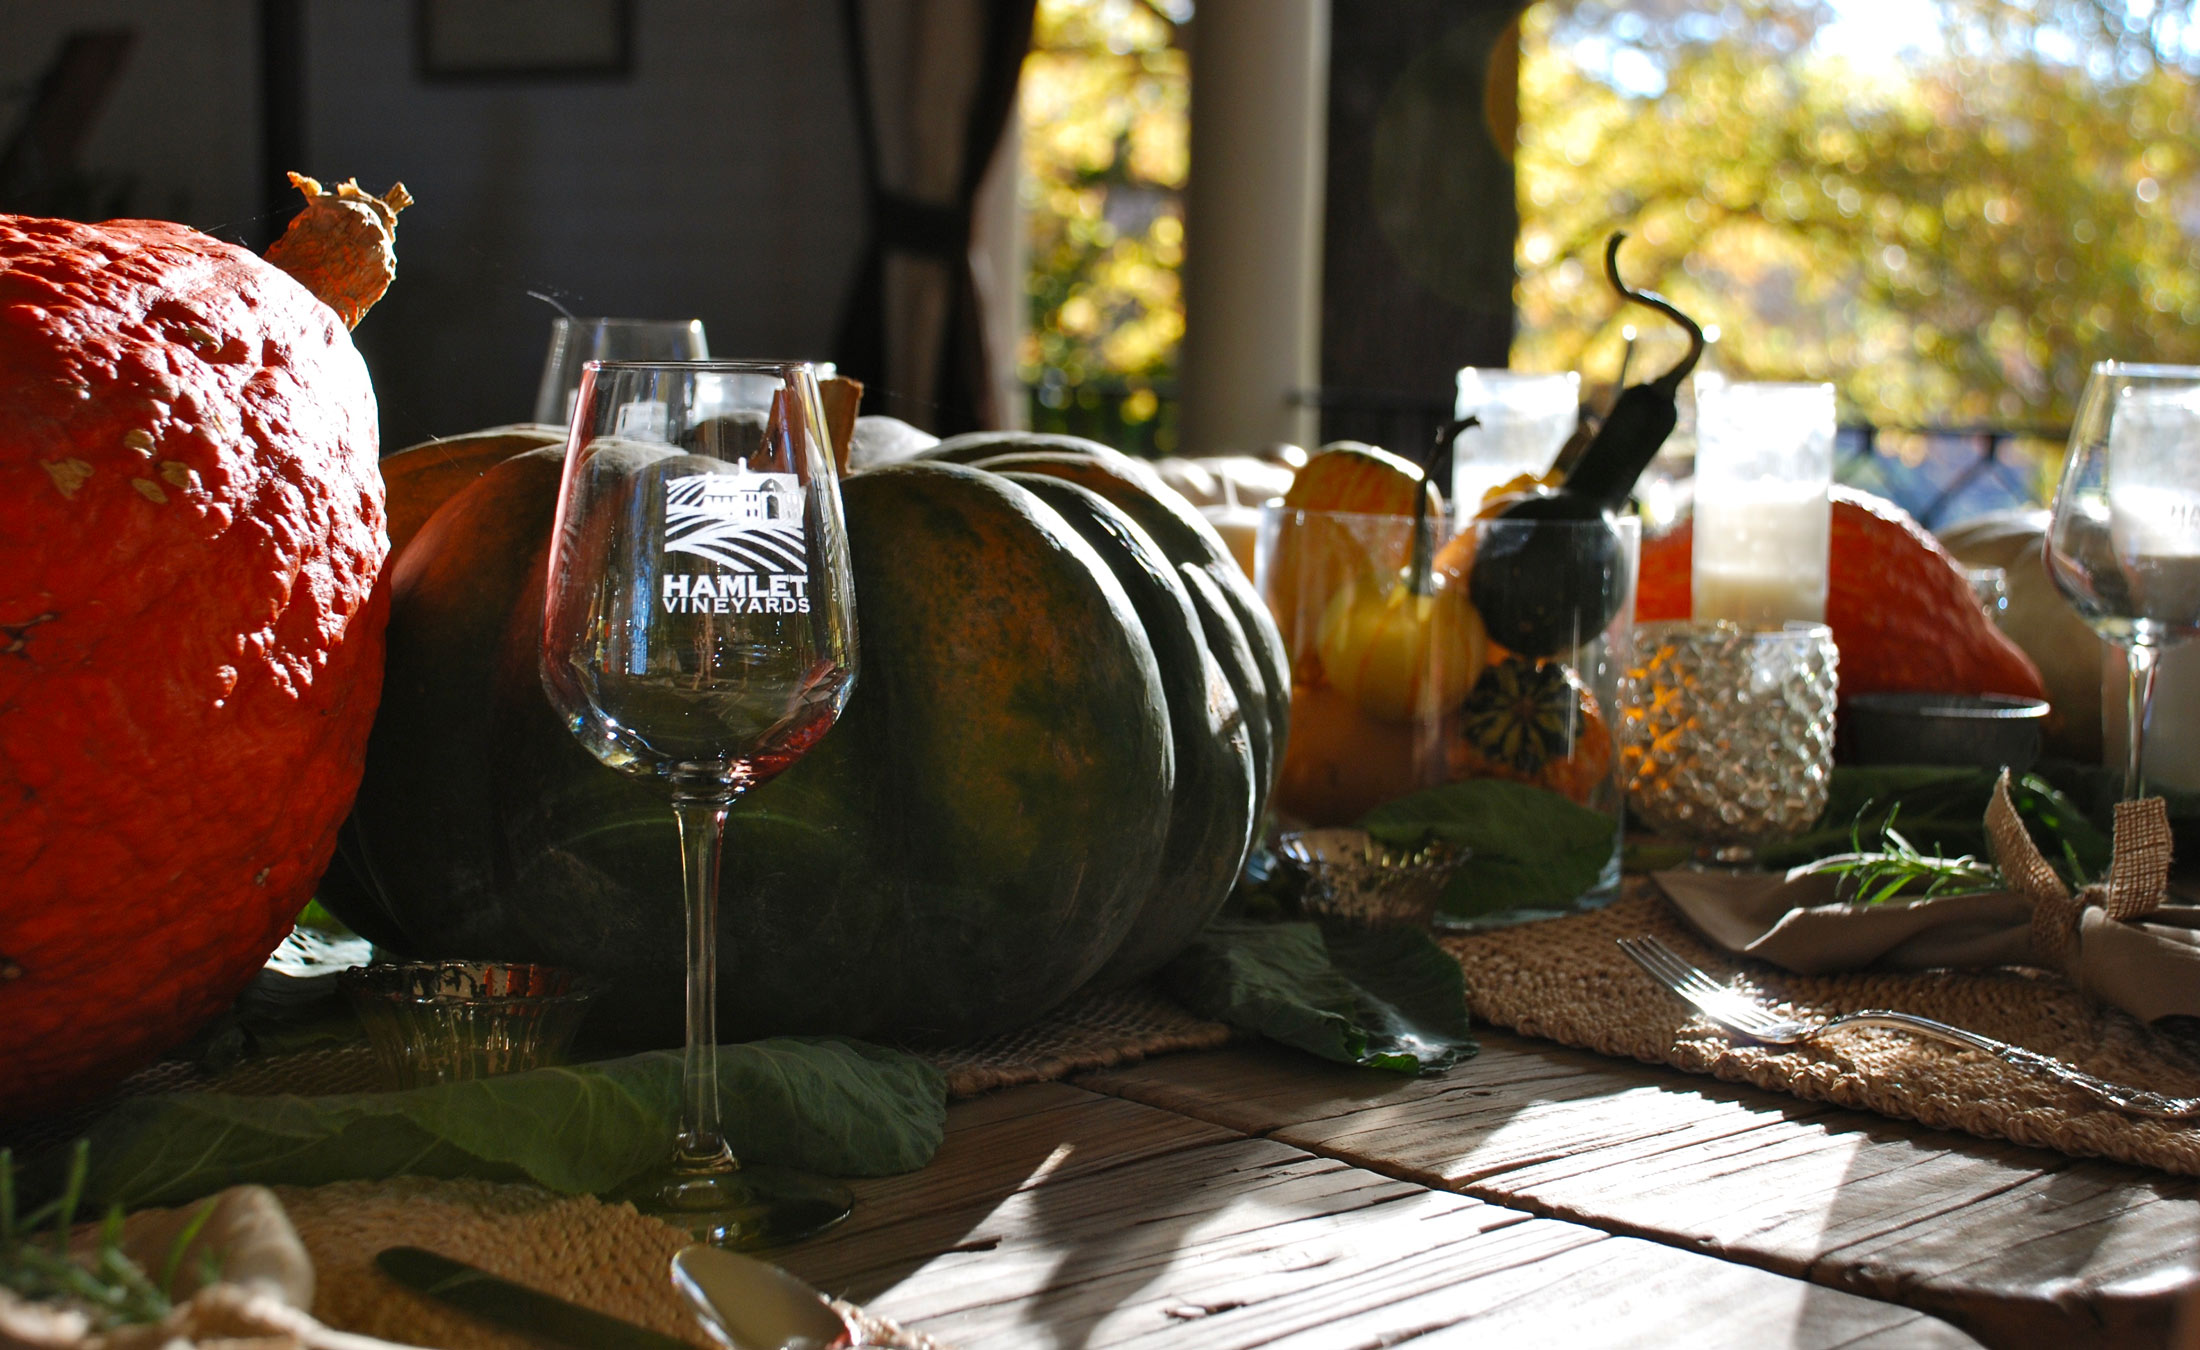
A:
2018	1246
2065	1252
1059	1218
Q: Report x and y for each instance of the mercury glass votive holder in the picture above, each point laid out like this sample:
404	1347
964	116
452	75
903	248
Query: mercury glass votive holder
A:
1726	733
448	1021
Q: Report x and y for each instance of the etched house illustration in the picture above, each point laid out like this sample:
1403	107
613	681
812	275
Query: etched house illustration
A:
750	522
751	497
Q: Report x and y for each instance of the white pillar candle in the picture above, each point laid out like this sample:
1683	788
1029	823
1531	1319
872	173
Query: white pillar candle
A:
1764	522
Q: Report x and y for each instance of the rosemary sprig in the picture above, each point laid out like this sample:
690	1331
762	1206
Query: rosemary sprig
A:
105	1284
1897	869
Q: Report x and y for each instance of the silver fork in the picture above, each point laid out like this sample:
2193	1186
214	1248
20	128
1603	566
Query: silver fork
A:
1745	1017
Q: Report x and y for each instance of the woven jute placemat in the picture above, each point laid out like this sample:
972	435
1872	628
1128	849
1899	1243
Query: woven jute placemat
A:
1565	980
1097	1031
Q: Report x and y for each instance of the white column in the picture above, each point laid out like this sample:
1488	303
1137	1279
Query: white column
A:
1253	224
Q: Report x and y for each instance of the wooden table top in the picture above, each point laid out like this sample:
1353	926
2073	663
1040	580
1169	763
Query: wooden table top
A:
1255	1196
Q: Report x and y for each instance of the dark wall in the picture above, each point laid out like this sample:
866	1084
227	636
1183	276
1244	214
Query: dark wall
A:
174	135
717	180
1417	260
718	177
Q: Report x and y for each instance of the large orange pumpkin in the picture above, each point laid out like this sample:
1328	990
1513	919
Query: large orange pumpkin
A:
191	534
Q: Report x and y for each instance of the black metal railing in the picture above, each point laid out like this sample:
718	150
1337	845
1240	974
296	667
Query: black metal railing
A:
1939	474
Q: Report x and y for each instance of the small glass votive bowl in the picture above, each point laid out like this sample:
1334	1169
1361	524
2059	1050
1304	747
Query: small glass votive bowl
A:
1726	733
449	1021
1354	878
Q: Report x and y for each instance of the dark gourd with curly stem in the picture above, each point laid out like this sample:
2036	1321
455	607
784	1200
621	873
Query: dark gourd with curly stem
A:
1545	591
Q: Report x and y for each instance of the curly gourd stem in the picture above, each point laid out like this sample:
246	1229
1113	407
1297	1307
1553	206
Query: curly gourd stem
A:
1669	383
1419	575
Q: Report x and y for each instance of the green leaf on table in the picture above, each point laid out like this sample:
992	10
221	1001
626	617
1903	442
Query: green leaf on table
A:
1384	998
1530	848
838	1107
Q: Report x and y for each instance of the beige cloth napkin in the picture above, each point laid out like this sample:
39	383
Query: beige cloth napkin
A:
2118	940
261	1287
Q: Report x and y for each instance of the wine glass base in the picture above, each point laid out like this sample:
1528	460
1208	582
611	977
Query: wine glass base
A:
749	1206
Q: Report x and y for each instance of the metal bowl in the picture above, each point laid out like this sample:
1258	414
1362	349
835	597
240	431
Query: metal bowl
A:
1989	731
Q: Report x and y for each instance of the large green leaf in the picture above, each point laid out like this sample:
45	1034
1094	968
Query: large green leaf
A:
833	1106
1529	848
1386	998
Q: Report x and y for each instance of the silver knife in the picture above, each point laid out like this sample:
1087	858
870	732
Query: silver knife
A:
495	1299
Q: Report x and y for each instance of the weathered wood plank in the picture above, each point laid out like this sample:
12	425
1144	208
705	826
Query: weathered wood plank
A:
2012	1243
1058	1217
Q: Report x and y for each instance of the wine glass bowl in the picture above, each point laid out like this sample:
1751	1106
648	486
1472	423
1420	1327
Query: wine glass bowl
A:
699	631
2123	539
575	341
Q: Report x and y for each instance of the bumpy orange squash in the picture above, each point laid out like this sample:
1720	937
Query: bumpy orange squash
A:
191	534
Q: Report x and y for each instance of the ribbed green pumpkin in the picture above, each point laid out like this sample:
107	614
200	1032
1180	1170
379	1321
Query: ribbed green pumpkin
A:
971	844
1213	809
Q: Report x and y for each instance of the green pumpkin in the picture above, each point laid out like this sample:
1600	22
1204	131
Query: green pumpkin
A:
988	826
1214	807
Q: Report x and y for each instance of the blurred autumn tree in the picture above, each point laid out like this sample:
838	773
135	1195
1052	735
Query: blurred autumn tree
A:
1952	238
1106	135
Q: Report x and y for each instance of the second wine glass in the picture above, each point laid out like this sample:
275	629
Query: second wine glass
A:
2123	541
699	630
575	341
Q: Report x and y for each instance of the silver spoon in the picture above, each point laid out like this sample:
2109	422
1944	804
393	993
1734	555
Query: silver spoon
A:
749	1304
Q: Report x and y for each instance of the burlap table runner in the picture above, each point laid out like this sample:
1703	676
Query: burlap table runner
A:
1565	980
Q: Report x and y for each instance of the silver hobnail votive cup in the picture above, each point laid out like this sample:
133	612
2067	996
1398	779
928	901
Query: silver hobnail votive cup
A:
449	1021
1726	733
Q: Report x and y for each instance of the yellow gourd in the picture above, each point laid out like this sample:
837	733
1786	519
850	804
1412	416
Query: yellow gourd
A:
1397	653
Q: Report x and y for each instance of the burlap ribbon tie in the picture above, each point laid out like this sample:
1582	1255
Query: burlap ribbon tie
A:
2138	870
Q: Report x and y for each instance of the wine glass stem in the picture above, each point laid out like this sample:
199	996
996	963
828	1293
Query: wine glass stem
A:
2140	661
702	842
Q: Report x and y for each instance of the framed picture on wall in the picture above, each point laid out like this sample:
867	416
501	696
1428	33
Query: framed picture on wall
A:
524	39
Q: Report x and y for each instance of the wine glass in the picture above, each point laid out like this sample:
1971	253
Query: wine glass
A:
2123	543
576	341
699	630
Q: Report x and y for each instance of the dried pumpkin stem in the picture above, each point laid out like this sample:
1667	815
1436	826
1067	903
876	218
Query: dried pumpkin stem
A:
342	247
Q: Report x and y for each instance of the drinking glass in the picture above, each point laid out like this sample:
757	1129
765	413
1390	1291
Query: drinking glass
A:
2123	542
1391	694
574	342
699	630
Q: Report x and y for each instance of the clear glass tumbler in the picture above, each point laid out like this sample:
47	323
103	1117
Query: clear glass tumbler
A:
1523	422
1394	691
